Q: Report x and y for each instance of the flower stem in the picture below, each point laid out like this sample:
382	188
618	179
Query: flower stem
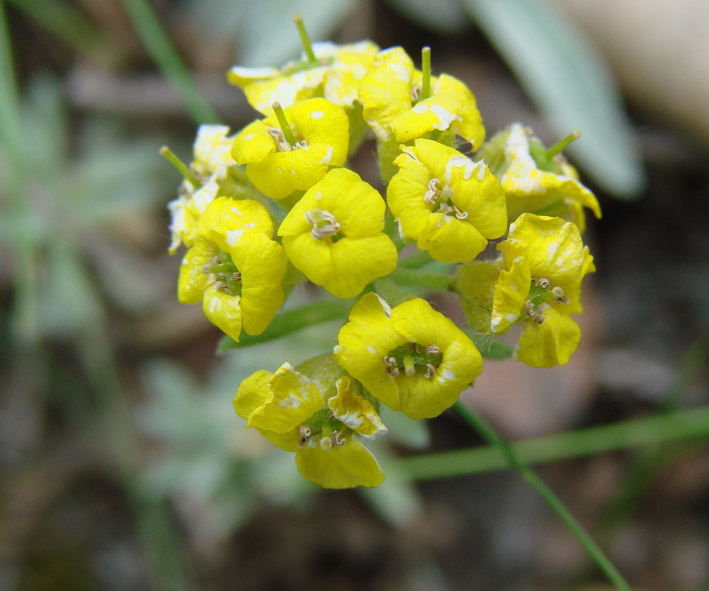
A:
283	122
426	73
515	462
562	144
304	38
172	158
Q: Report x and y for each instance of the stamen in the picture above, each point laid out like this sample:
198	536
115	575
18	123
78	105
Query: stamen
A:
539	319
544	283
415	94
284	147
324	223
430	371
529	309
393	371
207	269
337	438
433	349
389	361
236	276
557	292
305	433
461	215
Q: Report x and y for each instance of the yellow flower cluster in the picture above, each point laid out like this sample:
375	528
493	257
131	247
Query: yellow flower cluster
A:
275	204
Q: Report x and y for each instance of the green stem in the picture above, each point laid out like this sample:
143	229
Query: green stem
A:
432	281
425	73
562	144
162	51
283	122
172	158
25	305
304	38
554	503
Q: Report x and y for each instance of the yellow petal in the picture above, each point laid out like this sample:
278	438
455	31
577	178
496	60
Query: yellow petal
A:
279	174
550	343
355	411
253	143
262	264
253	392
355	262
362	344
450	240
193	281
295	398
385	91
223	310
319	121
342	466
225	220
510	294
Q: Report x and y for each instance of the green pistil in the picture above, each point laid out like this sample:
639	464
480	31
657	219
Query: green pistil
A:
304	38
425	73
283	122
184	170
539	295
561	145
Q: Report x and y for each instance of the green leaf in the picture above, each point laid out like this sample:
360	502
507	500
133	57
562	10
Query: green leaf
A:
489	347
567	79
291	321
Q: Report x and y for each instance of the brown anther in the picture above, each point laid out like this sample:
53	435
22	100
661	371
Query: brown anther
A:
221	286
539	319
393	371
216	260
206	269
562	300
544	283
430	371
337	438
433	349
413	346
221	276
529	309
415	93
389	361
236	276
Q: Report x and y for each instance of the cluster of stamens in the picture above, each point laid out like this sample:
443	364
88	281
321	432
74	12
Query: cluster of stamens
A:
557	294
435	196
335	439
283	144
225	275
324	223
409	361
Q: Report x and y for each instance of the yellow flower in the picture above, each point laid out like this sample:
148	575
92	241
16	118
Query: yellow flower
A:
534	182
412	358
291	411
395	109
278	168
234	268
212	160
335	76
544	262
334	234
475	282
450	205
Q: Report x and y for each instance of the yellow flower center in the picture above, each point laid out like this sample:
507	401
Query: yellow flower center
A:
413	359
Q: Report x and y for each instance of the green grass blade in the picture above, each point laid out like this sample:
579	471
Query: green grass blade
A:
165	56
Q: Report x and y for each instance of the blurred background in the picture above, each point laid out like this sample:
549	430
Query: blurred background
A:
122	463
